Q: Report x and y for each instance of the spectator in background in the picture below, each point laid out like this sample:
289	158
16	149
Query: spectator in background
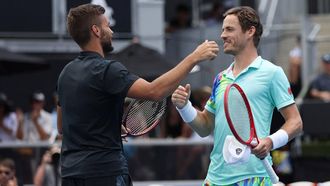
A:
201	96
54	135
181	20
172	126
8	120
214	17
282	160
36	125
188	167
48	172
54	111
295	62
320	87
7	173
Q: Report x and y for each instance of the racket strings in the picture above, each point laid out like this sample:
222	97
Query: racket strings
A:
239	114
143	115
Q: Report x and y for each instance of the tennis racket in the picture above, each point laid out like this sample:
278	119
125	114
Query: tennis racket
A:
240	119
141	116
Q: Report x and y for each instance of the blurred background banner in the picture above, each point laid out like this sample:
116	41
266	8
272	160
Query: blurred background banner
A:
30	18
119	13
46	18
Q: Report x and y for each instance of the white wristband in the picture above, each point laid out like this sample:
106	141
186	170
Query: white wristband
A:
188	113
279	138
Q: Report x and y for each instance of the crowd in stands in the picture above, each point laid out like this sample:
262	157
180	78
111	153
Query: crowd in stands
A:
182	19
319	87
34	125
38	125
31	127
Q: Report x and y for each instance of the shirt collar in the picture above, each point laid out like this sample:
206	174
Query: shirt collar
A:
90	53
256	63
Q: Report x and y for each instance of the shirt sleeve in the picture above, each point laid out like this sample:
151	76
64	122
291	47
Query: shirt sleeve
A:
211	104
118	79
280	89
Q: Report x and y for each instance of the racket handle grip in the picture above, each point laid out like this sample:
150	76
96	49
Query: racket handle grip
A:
273	177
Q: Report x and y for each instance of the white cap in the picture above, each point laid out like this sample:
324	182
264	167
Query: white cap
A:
234	152
38	96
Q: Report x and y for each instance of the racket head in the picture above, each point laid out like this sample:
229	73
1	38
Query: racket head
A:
142	116
239	115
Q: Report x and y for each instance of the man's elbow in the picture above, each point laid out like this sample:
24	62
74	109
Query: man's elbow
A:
156	95
297	128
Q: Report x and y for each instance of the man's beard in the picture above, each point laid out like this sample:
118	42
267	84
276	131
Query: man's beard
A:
106	43
107	47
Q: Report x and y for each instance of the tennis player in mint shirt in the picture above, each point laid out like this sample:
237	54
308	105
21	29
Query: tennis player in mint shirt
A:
266	87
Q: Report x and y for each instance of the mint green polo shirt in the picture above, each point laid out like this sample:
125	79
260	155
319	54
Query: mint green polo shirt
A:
266	87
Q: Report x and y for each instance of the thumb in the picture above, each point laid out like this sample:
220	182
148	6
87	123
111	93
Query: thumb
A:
188	89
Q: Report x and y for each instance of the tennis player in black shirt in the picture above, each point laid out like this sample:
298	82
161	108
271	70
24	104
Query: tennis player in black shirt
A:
91	93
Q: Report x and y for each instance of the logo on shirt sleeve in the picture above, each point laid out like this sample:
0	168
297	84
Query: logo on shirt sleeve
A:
289	90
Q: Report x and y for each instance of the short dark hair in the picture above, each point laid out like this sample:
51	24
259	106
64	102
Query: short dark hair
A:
9	163
80	20
247	18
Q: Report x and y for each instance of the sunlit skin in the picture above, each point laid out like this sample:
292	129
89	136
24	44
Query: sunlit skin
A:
233	37
238	43
326	68
322	94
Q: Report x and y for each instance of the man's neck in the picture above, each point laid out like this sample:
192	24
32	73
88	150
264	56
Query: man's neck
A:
93	48
243	60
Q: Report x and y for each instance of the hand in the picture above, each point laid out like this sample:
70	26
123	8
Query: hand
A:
12	182
124	130
181	96
263	148
207	50
35	115
19	115
47	158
